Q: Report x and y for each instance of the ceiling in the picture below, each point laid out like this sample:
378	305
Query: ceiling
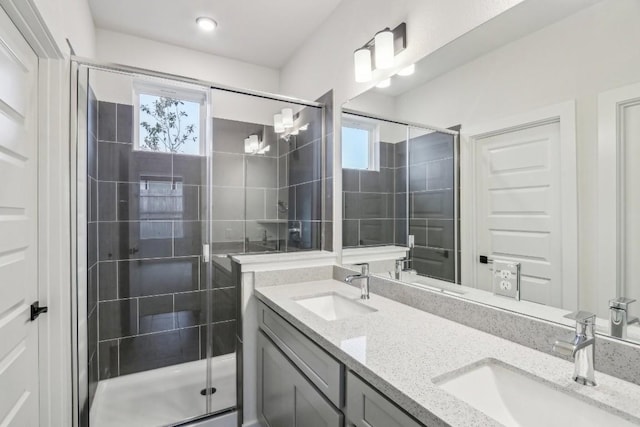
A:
256	31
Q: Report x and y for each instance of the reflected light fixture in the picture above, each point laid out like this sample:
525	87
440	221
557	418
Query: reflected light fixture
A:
206	24
278	125
384	83
287	118
385	52
253	145
362	60
407	71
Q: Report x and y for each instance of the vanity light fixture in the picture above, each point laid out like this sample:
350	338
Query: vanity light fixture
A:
385	52
362	60
407	71
383	48
206	24
384	83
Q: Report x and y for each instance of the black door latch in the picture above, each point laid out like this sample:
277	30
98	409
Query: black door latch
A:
36	310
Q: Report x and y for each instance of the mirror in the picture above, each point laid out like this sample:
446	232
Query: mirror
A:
540	179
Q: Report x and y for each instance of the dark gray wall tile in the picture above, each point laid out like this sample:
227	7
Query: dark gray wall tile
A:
133	240
157	276
376	232
350	232
309	201
433	204
158	350
191	170
228	203
190	308
401	180
438	263
255	204
222	338
107	201
434	146
400	154
261	171
187	238
92	243
304	164
440	174
108	359
377	181
418	228
440	233
107	280
106	121
417	177
118	318
156	314
228	170
124	131
350	180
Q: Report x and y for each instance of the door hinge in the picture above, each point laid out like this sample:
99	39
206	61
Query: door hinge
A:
36	310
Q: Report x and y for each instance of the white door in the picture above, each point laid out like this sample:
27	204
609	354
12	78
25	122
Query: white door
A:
518	208
18	228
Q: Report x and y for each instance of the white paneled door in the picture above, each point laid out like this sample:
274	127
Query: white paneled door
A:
18	228
518	205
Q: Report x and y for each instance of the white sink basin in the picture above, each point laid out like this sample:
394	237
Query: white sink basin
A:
333	306
516	399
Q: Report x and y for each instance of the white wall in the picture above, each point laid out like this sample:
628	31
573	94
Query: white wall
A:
576	58
134	51
69	19
325	61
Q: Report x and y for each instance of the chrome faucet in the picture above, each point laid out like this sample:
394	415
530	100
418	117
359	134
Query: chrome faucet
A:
581	346
619	315
401	267
364	280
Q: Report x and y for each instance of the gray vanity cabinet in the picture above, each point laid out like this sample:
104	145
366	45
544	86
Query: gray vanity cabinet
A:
366	407
285	397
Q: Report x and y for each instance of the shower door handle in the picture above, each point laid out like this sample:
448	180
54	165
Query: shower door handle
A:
36	310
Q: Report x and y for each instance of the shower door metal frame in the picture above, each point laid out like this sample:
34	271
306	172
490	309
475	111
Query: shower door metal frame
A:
78	147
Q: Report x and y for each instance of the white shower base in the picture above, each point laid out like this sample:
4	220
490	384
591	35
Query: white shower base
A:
164	396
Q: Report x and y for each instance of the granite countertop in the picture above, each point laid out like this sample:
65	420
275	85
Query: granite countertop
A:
400	350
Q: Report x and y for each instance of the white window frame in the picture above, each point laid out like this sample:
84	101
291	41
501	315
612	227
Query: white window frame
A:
174	92
373	129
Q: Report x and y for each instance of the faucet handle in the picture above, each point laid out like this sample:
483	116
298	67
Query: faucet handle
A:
621	303
582	317
364	268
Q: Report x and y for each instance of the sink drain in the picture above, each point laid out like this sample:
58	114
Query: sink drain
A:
211	391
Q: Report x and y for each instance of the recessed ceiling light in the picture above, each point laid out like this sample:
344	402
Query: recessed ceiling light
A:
408	70
206	24
384	83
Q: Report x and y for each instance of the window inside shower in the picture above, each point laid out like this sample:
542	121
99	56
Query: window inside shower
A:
158	319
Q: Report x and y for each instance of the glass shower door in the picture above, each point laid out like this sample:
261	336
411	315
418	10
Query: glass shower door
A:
150	299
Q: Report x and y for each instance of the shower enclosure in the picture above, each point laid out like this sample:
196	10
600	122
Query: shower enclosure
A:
171	176
400	188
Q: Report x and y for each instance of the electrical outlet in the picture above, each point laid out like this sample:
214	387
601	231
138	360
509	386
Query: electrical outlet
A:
506	278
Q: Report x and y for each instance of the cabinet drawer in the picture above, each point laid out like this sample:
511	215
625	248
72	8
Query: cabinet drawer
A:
366	407
286	398
323	371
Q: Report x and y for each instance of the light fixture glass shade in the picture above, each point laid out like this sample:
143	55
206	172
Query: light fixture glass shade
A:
287	118
278	125
206	24
407	71
362	62
384	83
385	51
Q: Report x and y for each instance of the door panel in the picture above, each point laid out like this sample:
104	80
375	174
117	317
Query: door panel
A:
518	208
18	228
